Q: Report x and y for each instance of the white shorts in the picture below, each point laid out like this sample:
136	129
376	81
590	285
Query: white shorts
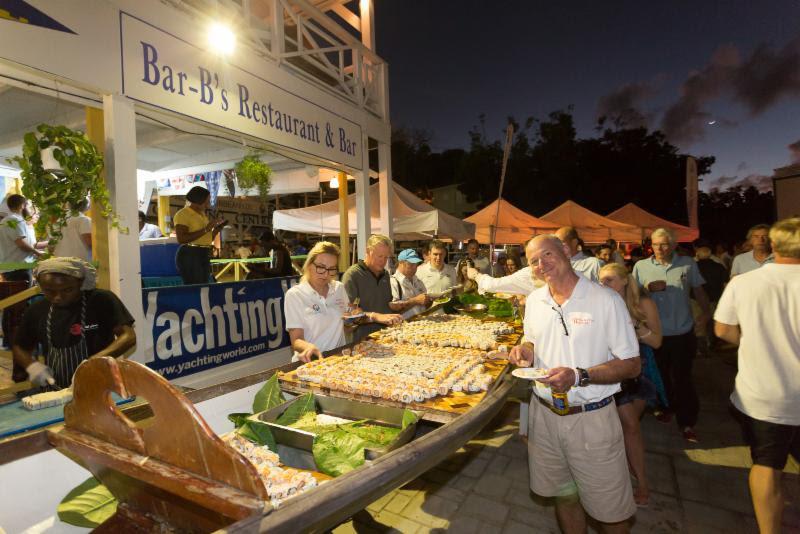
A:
581	453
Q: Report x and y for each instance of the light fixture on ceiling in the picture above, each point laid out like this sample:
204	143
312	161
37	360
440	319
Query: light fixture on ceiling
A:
221	39
334	183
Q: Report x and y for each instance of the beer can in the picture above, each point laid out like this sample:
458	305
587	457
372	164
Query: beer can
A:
560	402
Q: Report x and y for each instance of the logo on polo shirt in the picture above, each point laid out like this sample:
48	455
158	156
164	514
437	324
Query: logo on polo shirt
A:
581	318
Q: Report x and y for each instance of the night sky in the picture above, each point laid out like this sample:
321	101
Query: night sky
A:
675	66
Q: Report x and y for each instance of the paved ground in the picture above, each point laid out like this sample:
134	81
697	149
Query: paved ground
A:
483	487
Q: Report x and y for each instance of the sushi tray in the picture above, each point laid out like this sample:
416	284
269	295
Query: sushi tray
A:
440	409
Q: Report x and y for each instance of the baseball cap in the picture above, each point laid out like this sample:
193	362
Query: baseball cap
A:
409	255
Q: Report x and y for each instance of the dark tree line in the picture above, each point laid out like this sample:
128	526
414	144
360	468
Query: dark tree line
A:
549	164
726	215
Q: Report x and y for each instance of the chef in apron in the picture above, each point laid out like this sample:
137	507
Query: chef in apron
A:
75	321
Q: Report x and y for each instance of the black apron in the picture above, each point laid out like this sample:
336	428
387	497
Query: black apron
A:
64	361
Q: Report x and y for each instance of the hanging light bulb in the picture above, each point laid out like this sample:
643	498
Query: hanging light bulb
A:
335	182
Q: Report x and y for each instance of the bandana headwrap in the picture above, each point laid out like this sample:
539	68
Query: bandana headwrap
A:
74	267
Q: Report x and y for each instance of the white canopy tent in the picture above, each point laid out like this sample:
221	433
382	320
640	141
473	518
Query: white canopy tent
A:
413	218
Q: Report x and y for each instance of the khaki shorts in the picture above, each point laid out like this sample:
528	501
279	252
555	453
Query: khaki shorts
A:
584	454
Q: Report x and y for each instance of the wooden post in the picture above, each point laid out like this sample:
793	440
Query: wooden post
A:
363	208
385	188
164	217
344	224
95	133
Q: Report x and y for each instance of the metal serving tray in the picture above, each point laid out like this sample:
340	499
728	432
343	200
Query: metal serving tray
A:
346	409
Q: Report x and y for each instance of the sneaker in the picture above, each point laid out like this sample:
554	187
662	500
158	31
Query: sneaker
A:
689	435
663	417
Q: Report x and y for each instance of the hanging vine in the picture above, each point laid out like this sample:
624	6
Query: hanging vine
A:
53	193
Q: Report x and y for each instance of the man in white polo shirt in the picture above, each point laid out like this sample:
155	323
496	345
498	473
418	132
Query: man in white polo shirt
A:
437	275
758	237
582	334
760	312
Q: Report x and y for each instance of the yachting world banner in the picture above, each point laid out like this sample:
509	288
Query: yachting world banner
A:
163	70
199	327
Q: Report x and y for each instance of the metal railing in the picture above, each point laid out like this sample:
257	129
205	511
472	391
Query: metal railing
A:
301	37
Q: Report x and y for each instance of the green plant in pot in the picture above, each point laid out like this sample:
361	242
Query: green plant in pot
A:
53	190
252	173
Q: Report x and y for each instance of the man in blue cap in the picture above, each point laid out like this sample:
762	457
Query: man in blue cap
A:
409	295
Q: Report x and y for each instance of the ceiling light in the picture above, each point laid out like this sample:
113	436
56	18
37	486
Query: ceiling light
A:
221	39
334	183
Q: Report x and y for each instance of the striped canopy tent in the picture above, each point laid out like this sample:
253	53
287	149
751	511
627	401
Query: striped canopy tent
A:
513	226
630	213
592	227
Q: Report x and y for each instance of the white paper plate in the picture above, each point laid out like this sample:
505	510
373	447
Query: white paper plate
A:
529	373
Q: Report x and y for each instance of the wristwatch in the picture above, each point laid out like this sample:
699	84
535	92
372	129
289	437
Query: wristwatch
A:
583	377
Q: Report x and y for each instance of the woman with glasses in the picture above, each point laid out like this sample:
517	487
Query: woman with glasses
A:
315	308
636	392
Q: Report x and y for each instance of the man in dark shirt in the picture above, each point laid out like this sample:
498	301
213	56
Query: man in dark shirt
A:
281	259
368	286
716	276
74	322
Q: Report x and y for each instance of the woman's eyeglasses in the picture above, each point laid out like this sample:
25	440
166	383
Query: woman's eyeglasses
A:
321	269
563	322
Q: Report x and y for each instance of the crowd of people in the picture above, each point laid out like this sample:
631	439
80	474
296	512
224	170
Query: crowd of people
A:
615	332
614	335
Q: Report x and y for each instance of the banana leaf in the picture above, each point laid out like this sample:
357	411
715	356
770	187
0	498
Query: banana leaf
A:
338	452
259	433
88	505
298	409
238	419
409	418
268	396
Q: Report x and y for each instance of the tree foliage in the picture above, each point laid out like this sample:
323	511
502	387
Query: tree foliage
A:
549	164
726	215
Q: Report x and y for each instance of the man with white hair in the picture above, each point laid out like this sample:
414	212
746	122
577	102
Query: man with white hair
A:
582	336
367	284
74	322
669	278
764	304
758	238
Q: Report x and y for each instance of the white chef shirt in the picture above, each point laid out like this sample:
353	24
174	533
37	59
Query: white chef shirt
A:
600	329
404	288
765	304
319	317
519	283
437	281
